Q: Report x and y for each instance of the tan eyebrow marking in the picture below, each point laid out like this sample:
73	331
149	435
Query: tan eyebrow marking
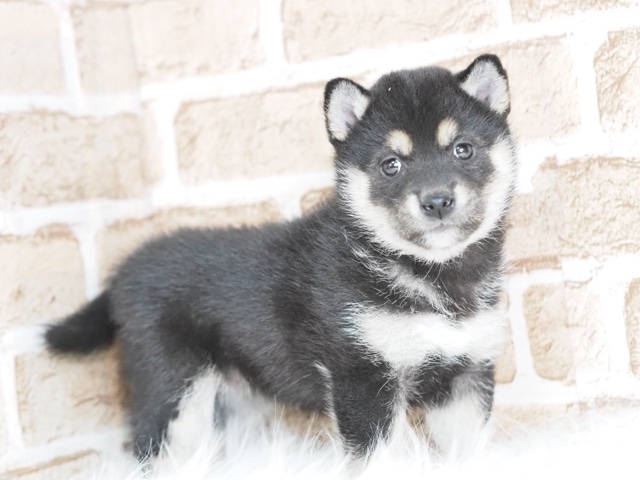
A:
400	142
446	132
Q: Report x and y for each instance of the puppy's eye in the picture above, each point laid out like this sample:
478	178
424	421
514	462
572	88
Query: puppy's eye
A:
391	166
463	151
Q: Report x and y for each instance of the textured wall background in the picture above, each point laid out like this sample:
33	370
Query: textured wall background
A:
123	118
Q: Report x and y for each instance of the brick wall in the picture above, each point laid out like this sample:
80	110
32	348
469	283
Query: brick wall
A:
123	118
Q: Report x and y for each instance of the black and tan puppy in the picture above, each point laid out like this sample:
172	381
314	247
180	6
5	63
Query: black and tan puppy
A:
383	298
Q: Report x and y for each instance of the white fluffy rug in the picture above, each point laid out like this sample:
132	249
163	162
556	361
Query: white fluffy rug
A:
596	445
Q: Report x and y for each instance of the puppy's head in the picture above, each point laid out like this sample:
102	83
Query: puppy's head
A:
425	163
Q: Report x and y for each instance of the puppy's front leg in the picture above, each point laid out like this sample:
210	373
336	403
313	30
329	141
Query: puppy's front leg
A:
363	403
457	426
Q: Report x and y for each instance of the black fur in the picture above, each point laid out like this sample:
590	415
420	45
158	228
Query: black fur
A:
270	302
81	336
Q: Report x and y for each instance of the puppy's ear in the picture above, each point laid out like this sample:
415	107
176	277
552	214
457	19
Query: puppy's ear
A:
344	104
486	81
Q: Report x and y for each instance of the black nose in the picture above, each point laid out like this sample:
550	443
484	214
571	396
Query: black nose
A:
438	205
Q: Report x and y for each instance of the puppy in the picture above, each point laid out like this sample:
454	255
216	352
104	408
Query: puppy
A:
384	298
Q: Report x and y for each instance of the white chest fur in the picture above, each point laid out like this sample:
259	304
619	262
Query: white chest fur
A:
406	340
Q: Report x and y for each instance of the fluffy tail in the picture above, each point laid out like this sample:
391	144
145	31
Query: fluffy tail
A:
89	329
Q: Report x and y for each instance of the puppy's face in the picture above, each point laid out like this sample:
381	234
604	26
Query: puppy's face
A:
425	162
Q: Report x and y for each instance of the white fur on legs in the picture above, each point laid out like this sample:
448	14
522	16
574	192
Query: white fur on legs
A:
191	429
253	448
598	446
459	428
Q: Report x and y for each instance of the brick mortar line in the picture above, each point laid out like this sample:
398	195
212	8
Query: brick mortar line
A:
69	55
88	3
504	14
620	385
580	270
271	31
535	390
248	192
27	339
10	392
104	441
25	221
17	341
164	115
290	208
60	3
91	105
86	236
576	146
583	47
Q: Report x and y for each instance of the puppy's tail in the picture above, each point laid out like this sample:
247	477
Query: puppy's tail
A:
90	328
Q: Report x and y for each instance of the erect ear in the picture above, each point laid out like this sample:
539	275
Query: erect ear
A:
486	81
344	104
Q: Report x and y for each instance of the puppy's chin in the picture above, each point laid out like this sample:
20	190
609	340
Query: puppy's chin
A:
437	237
428	232
441	238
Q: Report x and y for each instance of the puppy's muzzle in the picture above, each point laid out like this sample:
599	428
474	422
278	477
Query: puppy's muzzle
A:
438	205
